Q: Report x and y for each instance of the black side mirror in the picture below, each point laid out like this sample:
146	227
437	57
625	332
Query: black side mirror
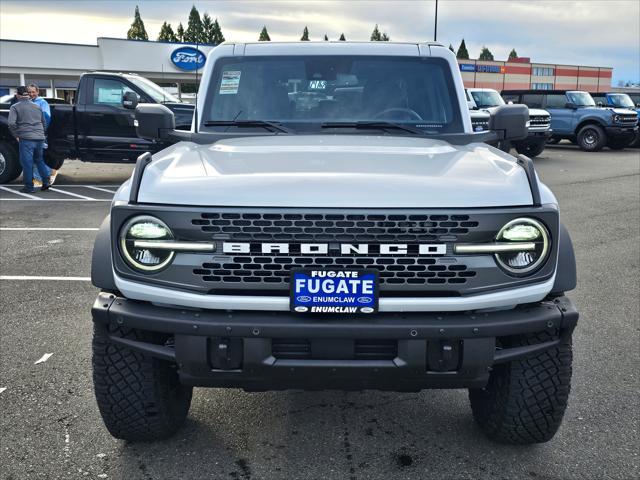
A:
130	100
600	104
154	121
510	122
638	105
570	105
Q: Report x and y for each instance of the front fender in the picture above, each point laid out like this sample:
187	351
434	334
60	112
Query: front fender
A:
566	274
101	266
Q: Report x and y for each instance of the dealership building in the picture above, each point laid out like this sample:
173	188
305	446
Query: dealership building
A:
56	67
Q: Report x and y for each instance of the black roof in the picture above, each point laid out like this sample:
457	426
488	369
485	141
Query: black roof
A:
542	92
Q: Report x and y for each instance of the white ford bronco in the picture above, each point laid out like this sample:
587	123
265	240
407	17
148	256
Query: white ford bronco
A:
332	221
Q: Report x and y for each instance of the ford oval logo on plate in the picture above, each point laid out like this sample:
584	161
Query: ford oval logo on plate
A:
188	58
304	299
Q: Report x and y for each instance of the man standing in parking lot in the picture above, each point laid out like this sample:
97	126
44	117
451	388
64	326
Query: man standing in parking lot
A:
26	123
34	92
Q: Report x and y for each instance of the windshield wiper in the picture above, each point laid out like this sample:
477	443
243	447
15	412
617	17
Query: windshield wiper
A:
271	126
373	125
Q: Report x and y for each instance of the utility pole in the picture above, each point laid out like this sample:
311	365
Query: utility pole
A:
435	28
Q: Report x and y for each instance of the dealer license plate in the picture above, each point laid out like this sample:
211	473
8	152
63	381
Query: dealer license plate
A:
334	291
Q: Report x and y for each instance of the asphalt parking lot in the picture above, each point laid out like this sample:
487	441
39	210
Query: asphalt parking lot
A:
50	426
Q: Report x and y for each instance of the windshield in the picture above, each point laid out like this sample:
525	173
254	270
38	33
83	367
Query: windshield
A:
313	91
621	100
486	99
581	99
156	92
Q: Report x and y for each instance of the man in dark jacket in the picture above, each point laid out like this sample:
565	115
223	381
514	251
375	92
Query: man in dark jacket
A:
27	124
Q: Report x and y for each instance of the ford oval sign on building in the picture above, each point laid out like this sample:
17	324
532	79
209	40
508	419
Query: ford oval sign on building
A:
188	58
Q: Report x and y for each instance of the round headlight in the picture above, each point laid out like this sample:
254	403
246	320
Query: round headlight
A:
616	119
145	228
534	239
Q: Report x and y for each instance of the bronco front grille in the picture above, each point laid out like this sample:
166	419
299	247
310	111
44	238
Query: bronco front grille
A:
275	270
628	119
320	227
540	121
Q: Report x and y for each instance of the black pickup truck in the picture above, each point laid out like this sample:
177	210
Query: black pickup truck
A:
99	127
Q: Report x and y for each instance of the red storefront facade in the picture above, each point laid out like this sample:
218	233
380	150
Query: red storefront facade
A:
539	76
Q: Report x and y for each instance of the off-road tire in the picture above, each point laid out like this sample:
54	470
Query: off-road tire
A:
10	167
525	400
531	150
140	398
591	138
52	162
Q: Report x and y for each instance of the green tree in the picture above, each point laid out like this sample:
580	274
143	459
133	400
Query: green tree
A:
462	51
513	54
385	37
326	39
376	36
342	39
305	35
137	30
166	33
180	32
194	31
264	35
207	29
485	54
452	49
218	37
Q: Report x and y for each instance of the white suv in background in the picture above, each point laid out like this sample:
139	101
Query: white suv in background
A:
487	99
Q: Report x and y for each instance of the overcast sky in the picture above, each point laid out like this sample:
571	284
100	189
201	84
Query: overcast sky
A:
590	32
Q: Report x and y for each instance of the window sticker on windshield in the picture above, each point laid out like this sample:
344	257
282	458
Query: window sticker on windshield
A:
317	84
230	82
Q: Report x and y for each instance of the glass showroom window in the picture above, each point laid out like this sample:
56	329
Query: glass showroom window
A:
543	71
542	86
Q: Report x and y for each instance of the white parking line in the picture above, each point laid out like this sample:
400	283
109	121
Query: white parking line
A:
53	200
100	189
49	229
26	277
31	197
72	194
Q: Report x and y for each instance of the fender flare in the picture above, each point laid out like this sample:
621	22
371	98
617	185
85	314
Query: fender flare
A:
101	262
566	274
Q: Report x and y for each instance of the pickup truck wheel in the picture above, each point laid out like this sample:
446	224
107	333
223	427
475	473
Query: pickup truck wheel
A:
139	397
524	400
591	138
53	162
10	167
531	150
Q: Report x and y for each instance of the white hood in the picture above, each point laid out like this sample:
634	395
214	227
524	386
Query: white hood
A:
334	171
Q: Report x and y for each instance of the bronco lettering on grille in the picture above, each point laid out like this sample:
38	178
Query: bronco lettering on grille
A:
432	249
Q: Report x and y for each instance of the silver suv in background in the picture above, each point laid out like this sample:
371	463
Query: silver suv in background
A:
487	99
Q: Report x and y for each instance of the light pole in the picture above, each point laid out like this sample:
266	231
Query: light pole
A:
435	28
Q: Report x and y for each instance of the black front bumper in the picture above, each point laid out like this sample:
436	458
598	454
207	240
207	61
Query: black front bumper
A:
621	132
542	136
386	351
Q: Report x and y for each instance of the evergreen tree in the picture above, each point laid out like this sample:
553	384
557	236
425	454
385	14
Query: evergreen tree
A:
326	39
385	37
137	31
305	35
451	48
207	29
513	54
218	37
342	39
180	32
375	35
194	31
166	33
264	35
485	54
462	51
